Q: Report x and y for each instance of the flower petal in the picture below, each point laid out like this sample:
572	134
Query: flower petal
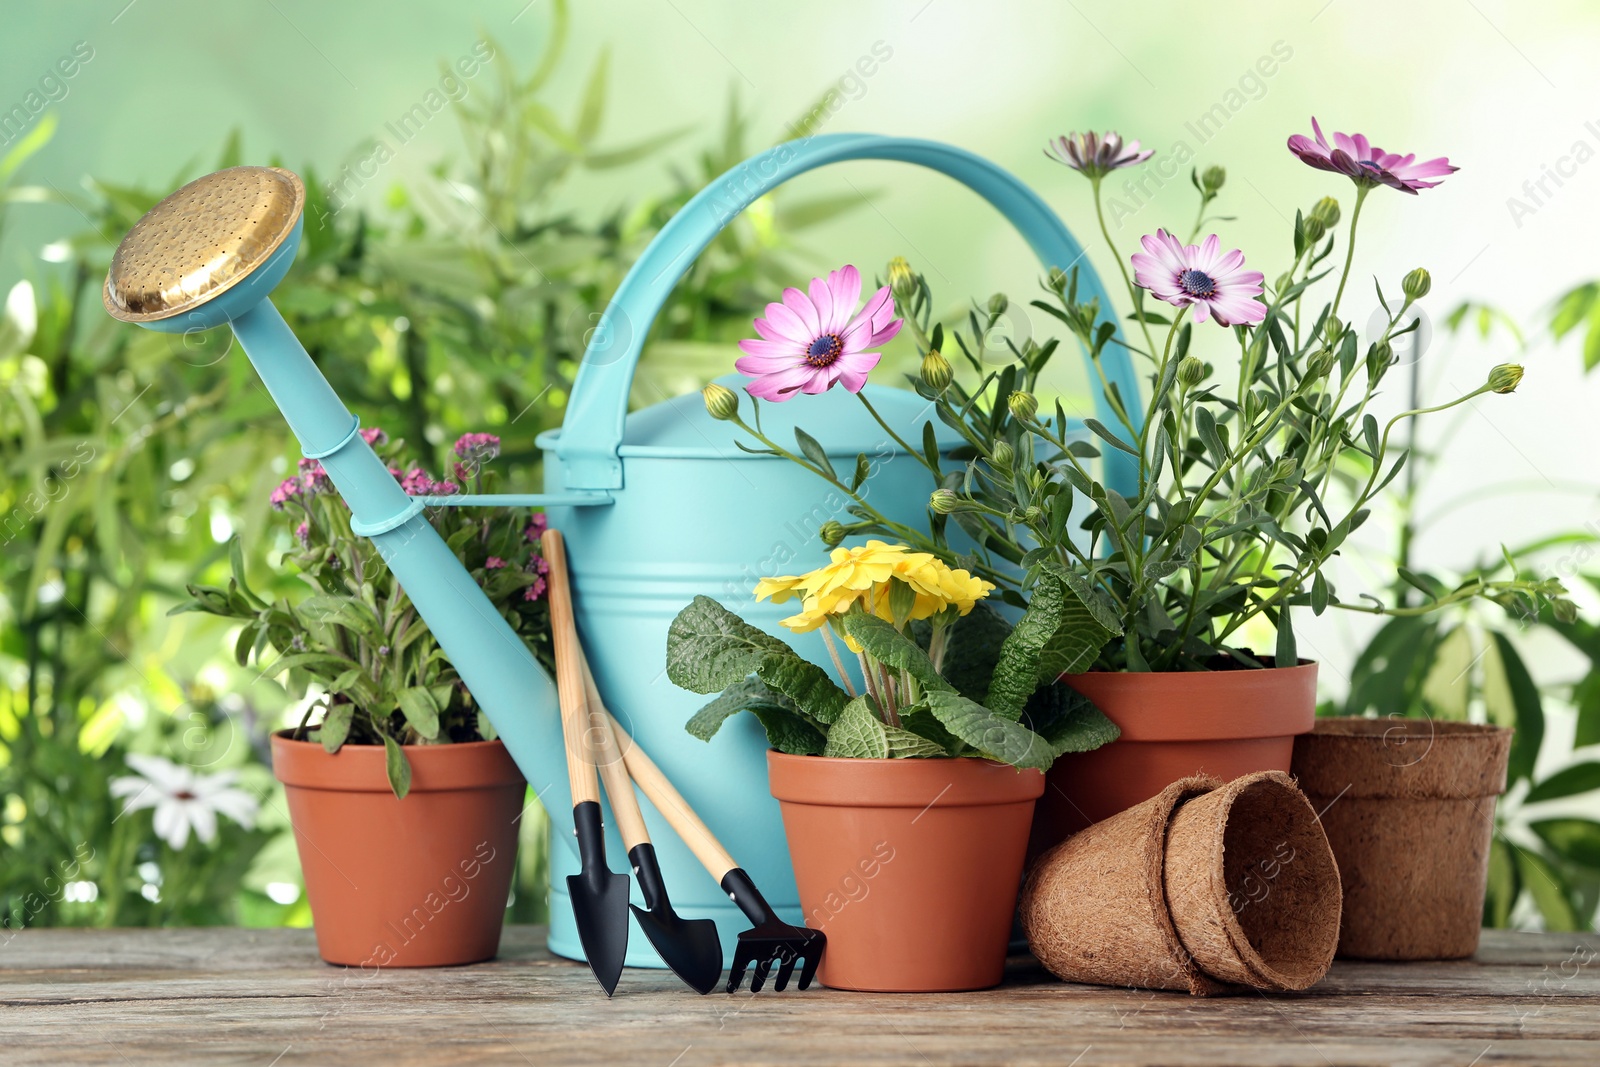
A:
801	305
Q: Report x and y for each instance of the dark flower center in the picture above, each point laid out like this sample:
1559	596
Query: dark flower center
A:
1197	283
824	350
1370	165
184	794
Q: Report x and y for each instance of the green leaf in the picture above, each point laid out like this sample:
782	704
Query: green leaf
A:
1548	890
1081	630
336	726
858	734
1575	840
1068	720
397	767
918	719
418	706
804	683
788	732
903	744
1099	430
709	648
593	104
972	646
902	601
1569	781
1503	886
889	646
743	695
991	735
486	728
1287	653
863	468
930	445
1319	594
1508	686
812	449
1016	673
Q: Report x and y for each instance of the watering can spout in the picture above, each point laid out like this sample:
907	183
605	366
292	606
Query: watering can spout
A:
210	254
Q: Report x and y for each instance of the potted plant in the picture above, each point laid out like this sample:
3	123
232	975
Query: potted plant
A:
403	801
1245	481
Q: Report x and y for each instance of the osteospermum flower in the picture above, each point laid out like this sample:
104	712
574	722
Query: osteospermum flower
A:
808	343
182	799
1366	164
1199	276
1096	154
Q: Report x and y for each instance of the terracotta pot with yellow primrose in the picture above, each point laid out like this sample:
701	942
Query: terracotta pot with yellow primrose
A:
404	804
905	800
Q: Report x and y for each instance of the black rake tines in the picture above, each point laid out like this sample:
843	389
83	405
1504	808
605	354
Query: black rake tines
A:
771	941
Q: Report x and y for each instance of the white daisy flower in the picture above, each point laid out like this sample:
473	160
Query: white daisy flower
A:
182	799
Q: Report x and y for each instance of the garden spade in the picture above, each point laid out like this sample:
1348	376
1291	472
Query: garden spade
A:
690	947
599	896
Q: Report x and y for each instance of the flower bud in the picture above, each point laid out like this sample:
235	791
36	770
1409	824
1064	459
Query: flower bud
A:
902	280
1313	228
936	371
1379	356
1504	378
1320	363
1003	454
1032	515
1024	406
831	533
721	403
998	304
1211	178
1284	469
1284	281
1191	372
1326	211
1332	328
1058	279
943	501
1416	284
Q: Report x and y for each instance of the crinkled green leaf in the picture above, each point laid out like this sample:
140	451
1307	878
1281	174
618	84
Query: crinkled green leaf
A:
889	646
904	744
805	683
709	648
1016	673
991	735
972	646
789	732
743	695
418	706
858	734
1068	720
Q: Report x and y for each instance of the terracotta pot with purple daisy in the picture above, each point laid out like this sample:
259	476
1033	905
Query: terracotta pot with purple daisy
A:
378	698
1155	553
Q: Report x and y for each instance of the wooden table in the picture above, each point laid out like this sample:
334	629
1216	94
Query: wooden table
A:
261	997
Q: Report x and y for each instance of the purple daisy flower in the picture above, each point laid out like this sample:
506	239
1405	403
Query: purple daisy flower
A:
1199	276
808	343
478	446
372	435
1096	154
1366	164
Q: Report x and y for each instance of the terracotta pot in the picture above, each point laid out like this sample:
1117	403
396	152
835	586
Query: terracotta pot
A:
419	882
1179	724
1408	806
909	866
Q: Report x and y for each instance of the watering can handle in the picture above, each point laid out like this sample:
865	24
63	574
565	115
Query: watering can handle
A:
592	430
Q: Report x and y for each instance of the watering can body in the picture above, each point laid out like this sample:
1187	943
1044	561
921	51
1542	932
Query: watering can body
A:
657	507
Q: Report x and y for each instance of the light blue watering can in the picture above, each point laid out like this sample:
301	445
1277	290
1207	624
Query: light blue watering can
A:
657	506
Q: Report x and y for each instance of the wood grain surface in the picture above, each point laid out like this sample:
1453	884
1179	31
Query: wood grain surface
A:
261	997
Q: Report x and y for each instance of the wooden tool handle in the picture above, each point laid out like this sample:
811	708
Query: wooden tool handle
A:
701	841
613	771
569	674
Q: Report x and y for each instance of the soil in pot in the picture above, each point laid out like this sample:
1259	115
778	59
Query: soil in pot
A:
414	882
1408	806
1224	723
909	866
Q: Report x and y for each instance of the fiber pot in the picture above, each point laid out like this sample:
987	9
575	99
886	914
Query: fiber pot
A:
1204	888
418	882
1408	805
1223	723
909	866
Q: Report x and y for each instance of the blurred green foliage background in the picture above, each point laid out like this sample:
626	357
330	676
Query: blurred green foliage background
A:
456	257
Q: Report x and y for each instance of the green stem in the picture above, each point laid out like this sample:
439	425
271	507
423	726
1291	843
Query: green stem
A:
1127	282
1362	189
915	453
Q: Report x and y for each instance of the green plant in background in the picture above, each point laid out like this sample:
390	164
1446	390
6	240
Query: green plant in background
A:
382	676
133	459
1464	664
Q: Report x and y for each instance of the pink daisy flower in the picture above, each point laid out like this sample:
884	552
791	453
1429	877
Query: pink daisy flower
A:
1198	276
808	343
1366	164
1096	154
